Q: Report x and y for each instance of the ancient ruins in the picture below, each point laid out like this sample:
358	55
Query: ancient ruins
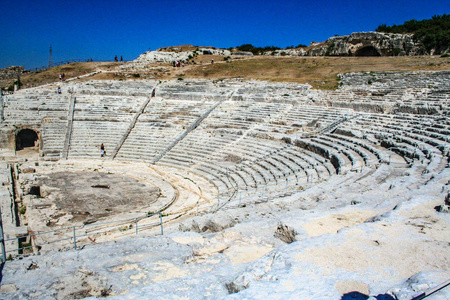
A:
264	189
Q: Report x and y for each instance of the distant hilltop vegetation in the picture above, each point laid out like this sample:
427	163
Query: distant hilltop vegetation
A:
356	44
433	34
426	37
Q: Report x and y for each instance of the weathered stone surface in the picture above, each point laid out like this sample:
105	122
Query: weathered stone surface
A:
338	248
368	44
162	55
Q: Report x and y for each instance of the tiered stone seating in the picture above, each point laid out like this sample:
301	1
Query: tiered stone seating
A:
114	88
33	109
411	92
258	135
54	112
191	90
100	119
162	121
43	111
400	131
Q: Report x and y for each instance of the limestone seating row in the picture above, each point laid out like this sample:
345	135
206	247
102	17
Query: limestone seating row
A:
202	127
87	137
406	130
275	159
53	115
299	169
53	138
389	138
21	116
340	161
18	109
54	102
281	165
198	157
373	153
166	109
392	79
140	88
106	108
407	101
314	163
33	117
191	96
19	102
230	115
150	131
208	171
392	107
432	146
313	113
36	102
274	166
368	157
146	140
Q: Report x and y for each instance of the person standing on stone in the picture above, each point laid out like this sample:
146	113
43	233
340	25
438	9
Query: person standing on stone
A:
153	93
102	150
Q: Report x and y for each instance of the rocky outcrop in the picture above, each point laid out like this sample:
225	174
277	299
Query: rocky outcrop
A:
169	56
359	44
11	72
356	44
368	44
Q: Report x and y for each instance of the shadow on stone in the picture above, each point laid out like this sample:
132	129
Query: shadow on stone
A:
1	272
361	296
354	295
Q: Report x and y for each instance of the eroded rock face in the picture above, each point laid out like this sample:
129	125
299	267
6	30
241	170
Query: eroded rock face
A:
369	44
163	55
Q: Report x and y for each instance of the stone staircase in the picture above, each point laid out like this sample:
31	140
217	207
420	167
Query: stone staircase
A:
130	128
65	151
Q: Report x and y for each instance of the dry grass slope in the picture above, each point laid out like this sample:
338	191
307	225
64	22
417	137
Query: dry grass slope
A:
320	72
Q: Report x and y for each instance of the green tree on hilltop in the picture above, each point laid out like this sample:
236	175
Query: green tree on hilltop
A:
434	33
256	50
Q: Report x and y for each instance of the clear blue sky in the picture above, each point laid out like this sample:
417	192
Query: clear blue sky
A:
102	29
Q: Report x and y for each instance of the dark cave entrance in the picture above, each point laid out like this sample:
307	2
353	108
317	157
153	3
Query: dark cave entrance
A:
367	51
26	138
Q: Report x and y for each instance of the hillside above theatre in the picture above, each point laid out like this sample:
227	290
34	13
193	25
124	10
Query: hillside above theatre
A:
319	72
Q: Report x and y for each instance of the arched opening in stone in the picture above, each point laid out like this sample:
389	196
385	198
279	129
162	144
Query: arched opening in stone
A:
26	138
367	51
